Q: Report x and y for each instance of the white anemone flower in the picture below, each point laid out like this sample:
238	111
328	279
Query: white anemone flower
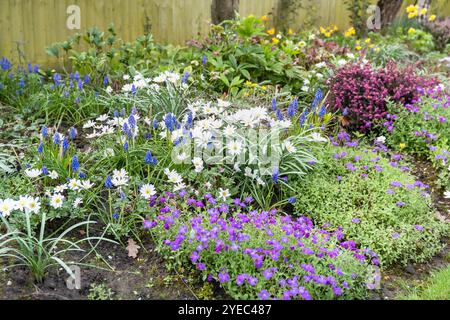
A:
34	205
120	178
224	194
289	147
56	201
147	191
33	173
317	137
53	175
77	202
7	206
74	184
173	176
235	148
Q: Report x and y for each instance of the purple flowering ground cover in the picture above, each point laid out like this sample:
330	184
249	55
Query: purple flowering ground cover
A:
259	254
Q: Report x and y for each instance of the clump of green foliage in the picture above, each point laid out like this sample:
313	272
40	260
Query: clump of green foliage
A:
374	201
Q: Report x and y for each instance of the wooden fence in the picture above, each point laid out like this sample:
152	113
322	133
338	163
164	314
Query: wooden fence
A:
28	26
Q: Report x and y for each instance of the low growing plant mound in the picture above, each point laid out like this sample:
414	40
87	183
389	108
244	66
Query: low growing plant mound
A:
423	129
359	92
258	254
375	200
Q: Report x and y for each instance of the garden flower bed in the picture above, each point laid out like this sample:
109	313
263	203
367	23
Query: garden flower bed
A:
254	164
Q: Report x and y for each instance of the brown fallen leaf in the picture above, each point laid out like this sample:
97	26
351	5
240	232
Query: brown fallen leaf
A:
133	249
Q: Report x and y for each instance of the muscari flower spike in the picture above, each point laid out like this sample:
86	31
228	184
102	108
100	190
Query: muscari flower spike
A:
108	182
75	164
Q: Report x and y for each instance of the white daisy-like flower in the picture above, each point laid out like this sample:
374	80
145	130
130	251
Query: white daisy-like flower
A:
126	77
60	188
173	176
89	124
74	184
33	173
22	203
197	162
53	175
317	137
179	186
223	103
77	202
120	178
102	118
235	147
289	147
147	191
57	200
7	206
208	185
87	184
224	194
34	205
229	131
447	194
381	139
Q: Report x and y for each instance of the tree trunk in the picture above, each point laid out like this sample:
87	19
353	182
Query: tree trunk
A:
389	10
282	14
223	10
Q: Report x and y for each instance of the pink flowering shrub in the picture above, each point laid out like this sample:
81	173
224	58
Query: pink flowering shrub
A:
360	92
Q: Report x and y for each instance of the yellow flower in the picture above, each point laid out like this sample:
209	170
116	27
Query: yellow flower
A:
411	31
412	8
290	32
372	46
402	146
322	30
301	44
265	18
350	32
275	41
368	40
335	28
432	18
264	88
358	48
271	32
423	11
413	14
377	50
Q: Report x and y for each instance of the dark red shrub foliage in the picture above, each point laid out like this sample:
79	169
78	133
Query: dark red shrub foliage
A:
359	91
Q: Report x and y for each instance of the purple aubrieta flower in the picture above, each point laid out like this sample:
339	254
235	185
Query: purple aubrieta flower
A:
395	235
396	184
223	277
356	220
201	266
418	227
264	295
148	224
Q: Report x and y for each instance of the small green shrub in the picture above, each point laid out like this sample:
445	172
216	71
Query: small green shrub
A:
377	204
